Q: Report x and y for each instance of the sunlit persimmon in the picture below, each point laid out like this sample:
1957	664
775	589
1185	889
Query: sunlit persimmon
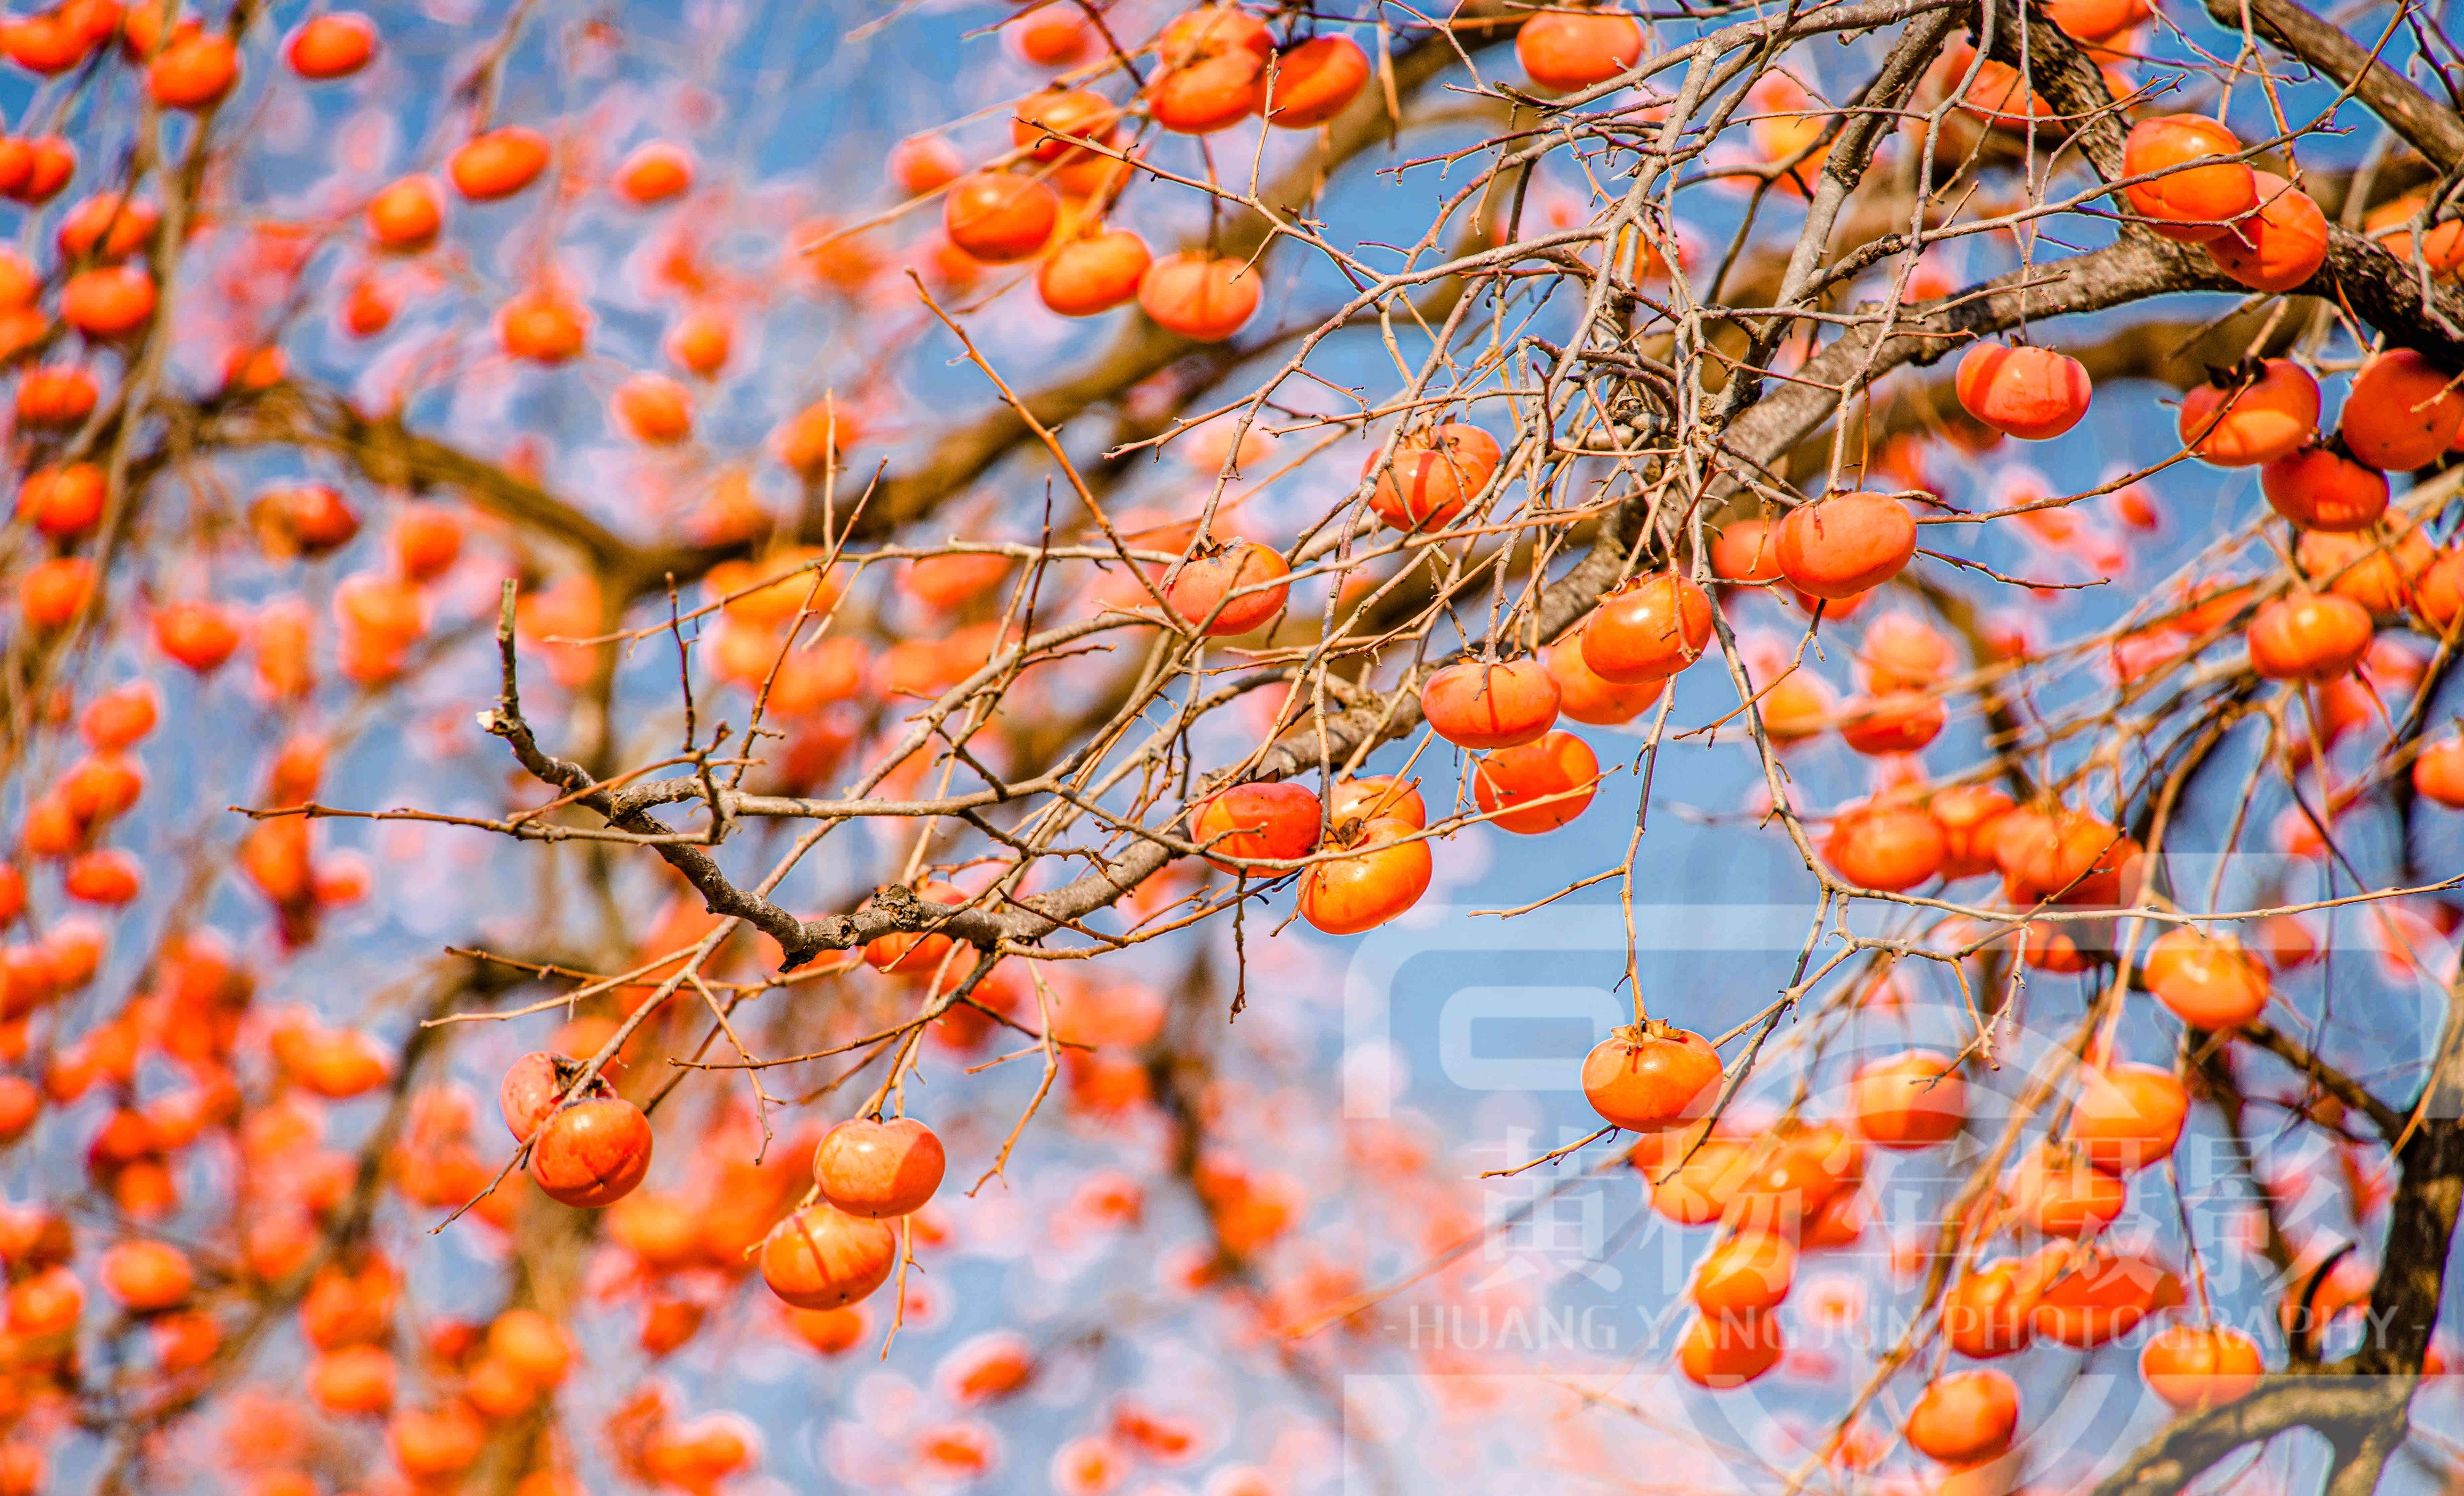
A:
336	44
2068	857
50	163
1899	651
698	344
1897	721
2402	411
1986	1311
2060	1193
1562	51
593	1152
1375	796
109	226
108	302
1651	1077
406	214
2309	636
654	172
105	875
1231	588
2127	1116
998	217
56	397
1052	35
1729	1352
2318	488
1214	68
435	1445
653	408
2209	982
193	71
1385	870
1583	697
1746	551
2096	20
2102	1298
1888	846
1490	704
2191	197
2379	572
1965	1416
1435	472
1536	786
1049	124
45	1303
821	1257
1841	545
916	953
2032	393
2196	1367
1085	277
879	1168
2235	421
1749	1273
1203	297
1909	1101
2438	774
148	1277
1273	819
922	163
542	327
498	162
62	501
1313	81
1648	628
2277	247
1968	815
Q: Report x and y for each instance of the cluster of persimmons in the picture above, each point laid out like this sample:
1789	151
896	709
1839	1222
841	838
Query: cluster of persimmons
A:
1359	849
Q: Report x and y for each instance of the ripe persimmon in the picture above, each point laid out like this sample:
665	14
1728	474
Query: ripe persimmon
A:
2402	413
1843	544
1199	296
193	71
352	1379
2236	420
2101	1297
1374	796
1965	1416
1484	704
1745	551
433	1445
2277	247
654	172
148	1277
2128	1116
2193	197
2209	982
2195	1367
1729	1352
2059	1193
336	44
1986	1311
57	396
879	1168
108	302
2315	637
1050	124
1085	277
592	1153
2032	393
62	501
922	163
2318	488
1584	697
1233	588
542	327
1214	70
406	214
498	162
1749	1273
1909	1101
998	217
1886	846
653	408
1563	51
1648	1077
1897	721
1385	872
822	1258
1313	82
199	634
1435	472
2382	574
1647	628
1556	767
1273	819
2068	857
1899	651
2438	774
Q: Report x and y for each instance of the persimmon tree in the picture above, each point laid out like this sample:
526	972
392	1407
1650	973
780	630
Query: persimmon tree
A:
851	612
